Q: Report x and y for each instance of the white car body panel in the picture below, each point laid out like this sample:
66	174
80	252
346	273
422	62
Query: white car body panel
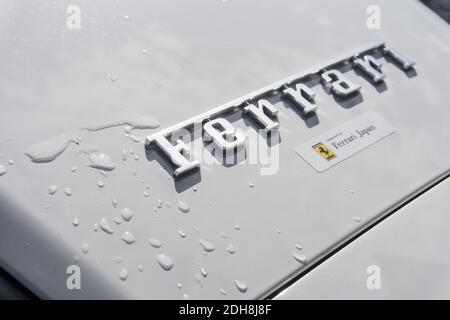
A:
202	54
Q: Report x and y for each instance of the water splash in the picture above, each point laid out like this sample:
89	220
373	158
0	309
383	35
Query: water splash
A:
133	121
48	151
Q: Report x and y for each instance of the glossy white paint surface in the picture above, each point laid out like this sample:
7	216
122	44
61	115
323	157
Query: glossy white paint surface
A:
409	248
200	54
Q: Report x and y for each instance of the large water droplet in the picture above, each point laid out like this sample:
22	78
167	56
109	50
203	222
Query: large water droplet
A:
134	121
128	237
52	189
127	214
75	222
183	206
155	243
123	274
105	226
240	285
48	151
299	258
85	248
68	192
101	161
231	249
165	261
100	184
207	246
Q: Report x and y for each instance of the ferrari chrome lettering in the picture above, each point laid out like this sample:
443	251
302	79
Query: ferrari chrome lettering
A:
215	125
338	84
371	67
302	96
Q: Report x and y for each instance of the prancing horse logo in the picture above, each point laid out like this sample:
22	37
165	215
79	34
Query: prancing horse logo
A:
324	151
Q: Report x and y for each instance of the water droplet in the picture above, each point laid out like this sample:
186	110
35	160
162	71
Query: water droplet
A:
204	272
123	274
251	184
95	227
357	219
351	191
105	226
207	246
112	77
298	247
128	237
115	202
85	248
183	206
127	214
75	222
140	267
195	189
134	121
223	292
185	297
100	184
74	169
11	162
52	189
76	258
182	234
160	204
124	155
237	226
144	51
119	259
101	161
299	258
117	220
165	261
2	170
146	194
179	285
278	231
68	192
230	248
199	280
240	285
48	151
147	187
224	235
155	243
131	151
136	157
